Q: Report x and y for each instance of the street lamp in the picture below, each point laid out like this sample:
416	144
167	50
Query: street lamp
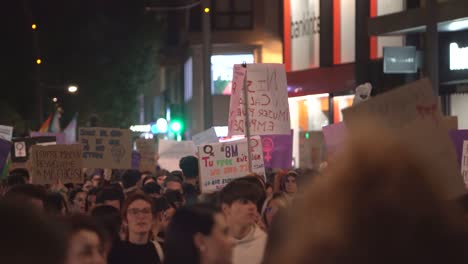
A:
72	89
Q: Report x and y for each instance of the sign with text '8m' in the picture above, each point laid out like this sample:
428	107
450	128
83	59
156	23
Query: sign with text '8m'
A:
106	147
267	100
220	163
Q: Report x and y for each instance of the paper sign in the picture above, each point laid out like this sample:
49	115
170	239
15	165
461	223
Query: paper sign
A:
59	137
220	163
5	148
335	136
58	162
147	149
464	163
6	132
205	137
267	100
411	113
277	151
20	151
170	153
106	147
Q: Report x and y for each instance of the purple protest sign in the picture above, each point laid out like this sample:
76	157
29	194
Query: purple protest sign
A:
5	148
136	157
59	137
458	136
277	151
335	136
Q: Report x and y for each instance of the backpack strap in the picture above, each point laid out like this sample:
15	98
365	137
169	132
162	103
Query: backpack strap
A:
159	250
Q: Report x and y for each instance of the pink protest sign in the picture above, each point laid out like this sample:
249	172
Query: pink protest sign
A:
277	151
335	136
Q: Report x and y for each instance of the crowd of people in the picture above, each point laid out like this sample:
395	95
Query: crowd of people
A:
374	203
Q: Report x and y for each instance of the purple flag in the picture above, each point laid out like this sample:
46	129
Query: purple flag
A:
458	136
59	137
5	148
277	151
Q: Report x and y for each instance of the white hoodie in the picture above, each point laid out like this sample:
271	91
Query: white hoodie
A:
250	249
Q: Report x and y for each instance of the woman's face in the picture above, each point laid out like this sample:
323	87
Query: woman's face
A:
290	185
160	180
88	185
79	203
139	217
85	248
96	180
217	247
271	210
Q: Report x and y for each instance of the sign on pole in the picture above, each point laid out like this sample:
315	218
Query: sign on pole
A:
170	153
147	149
220	163
106	147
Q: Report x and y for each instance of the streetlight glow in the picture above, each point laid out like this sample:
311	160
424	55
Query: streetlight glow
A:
207	10
38	61
72	89
33	26
54	99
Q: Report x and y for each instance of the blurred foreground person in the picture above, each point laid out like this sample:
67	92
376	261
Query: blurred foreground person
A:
35	194
28	236
278	202
376	205
198	234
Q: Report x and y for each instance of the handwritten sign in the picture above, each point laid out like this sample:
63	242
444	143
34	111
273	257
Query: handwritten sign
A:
205	137
464	164
170	153
57	162
59	137
220	163
335	136
106	147
147	149
6	132
267	100
277	151
411	113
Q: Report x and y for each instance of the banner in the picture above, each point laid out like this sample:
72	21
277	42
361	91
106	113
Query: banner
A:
147	149
6	132
267	100
5	148
464	163
106	147
411	113
220	163
335	136
59	137
170	153
205	137
277	151
57	162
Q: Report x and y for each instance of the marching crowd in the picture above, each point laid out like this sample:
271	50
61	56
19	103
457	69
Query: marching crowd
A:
374	203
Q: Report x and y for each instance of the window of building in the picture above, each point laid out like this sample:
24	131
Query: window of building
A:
232	14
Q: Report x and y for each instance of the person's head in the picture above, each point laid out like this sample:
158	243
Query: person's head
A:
77	201
21	172
173	183
258	181
174	198
189	167
239	202
109	218
34	193
87	186
91	199
198	234
86	241
288	182
161	176
268	190
277	202
97	177
152	189
15	179
55	204
110	195
149	179
130	178
137	215
163	212
28	235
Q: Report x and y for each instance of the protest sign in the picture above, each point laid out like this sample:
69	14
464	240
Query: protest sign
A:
5	148
311	149
220	163
464	163
147	149
277	151
6	132
411	114
170	153
106	147
59	137
458	136
21	148
335	136
205	137
267	100
57	162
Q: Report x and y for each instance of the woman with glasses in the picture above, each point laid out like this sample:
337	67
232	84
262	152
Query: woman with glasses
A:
137	216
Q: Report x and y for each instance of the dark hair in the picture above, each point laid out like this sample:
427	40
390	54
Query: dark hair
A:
26	228
93	191
76	223
151	188
109	193
132	198
72	194
130	178
27	191
190	193
240	189
21	172
177	173
162	172
174	198
259	181
54	203
148	178
189	166
186	222
160	205
109	218
172	178
285	178
15	179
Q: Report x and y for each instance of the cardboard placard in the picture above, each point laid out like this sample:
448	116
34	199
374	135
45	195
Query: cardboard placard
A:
57	162
267	100
411	113
106	147
205	137
464	162
6	132
59	137
220	163
170	153
277	151
147	149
